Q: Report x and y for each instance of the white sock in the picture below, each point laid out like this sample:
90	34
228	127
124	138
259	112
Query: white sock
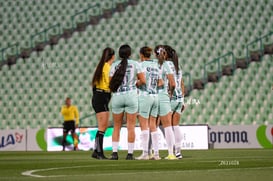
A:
131	148
178	138
155	142
169	135
145	141
115	146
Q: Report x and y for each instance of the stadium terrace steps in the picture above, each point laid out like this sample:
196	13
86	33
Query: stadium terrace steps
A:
43	23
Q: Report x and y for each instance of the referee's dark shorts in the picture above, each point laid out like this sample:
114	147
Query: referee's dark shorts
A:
69	126
100	100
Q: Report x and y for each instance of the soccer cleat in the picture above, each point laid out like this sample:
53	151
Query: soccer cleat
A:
178	155
171	157
102	157
151	156
143	157
98	155
114	156
130	157
94	154
155	157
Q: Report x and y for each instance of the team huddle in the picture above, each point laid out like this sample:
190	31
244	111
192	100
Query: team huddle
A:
150	91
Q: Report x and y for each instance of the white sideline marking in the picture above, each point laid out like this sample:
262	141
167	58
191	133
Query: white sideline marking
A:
30	173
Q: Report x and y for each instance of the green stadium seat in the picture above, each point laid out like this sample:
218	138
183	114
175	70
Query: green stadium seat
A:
199	35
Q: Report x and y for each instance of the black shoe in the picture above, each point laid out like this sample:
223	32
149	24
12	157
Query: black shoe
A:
114	156
95	154
102	157
99	156
130	157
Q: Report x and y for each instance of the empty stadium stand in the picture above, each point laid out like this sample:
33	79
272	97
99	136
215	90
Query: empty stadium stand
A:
213	39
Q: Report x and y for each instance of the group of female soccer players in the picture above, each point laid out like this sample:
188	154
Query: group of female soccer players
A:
150	91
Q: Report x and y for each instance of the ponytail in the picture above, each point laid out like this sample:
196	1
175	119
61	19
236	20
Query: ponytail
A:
172	56
118	76
117	79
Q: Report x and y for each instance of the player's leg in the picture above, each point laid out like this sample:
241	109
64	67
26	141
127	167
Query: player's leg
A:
118	114
131	109
154	136
102	119
131	122
153	128
166	120
177	134
169	134
117	118
100	101
144	137
143	115
176	108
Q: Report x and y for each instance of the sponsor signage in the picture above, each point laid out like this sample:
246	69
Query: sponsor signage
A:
86	139
36	139
241	136
194	137
13	140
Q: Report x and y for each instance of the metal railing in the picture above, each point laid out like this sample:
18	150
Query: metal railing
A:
218	61
4	50
56	27
44	34
187	76
259	41
85	117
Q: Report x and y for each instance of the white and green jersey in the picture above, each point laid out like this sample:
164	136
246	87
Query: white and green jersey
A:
130	77
151	70
177	94
166	68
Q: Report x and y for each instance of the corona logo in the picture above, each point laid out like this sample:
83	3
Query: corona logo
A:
228	137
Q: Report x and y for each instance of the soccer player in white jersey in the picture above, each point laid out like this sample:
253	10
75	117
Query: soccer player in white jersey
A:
177	100
148	104
165	92
124	76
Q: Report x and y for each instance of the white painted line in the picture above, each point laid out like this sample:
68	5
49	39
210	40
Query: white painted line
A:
31	173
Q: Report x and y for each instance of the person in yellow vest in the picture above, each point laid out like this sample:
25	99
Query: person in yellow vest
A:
71	121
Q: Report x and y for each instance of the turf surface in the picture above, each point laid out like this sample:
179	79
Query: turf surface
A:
231	164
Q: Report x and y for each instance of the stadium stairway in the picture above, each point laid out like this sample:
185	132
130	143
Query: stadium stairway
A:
55	30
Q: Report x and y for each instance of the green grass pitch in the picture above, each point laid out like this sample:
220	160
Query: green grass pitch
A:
219	164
